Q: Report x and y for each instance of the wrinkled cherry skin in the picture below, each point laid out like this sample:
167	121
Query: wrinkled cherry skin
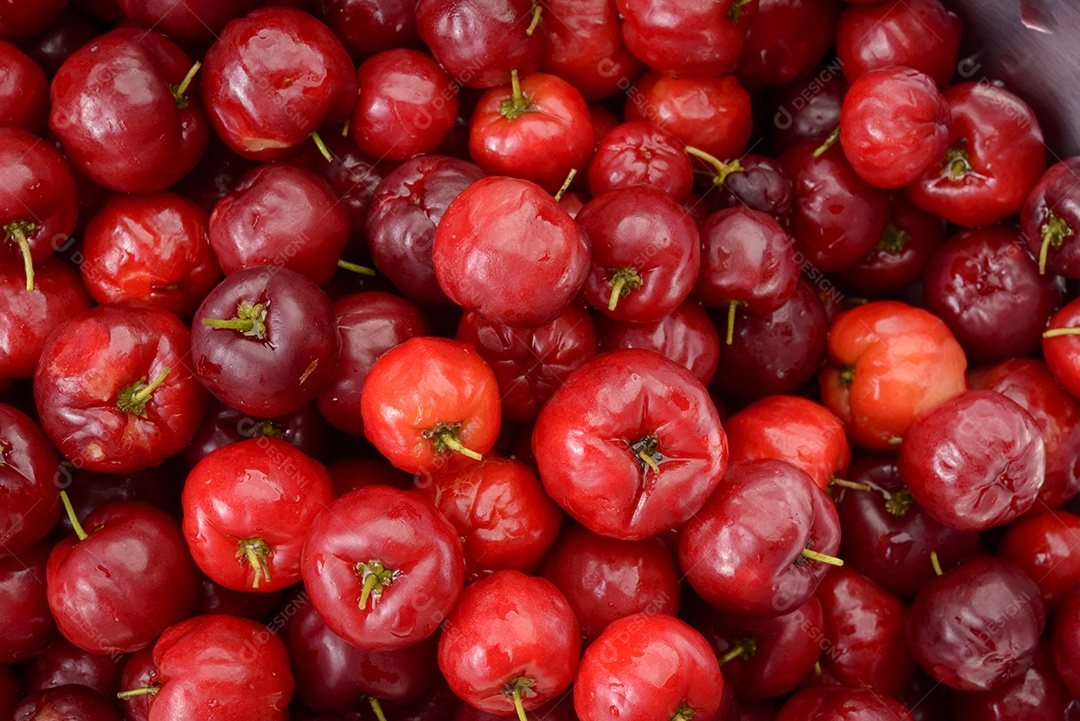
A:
604	579
480	41
273	78
26	624
1004	158
1029	383
87	367
889	144
333	676
837	217
407	105
221	667
280	372
793	429
419	387
1038	695
29	473
686	335
977	626
280	215
222	426
766	511
370	324
151	247
667	663
709	113
61	663
406	208
584	443
687	38
406	534
500	509
552	135
507	627
640	153
865	628
70	701
24	97
644	230
890	542
131	578
27	319
525	385
24	20
1065	641
986	286
1051	217
367	27
902	361
114	111
842	704
505	248
1042	546
264	489
919	34
585	47
778	652
785	41
974	461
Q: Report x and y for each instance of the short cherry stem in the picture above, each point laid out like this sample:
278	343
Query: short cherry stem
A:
1057	332
455	445
79	531
723	170
179	91
519	706
517	104
649	460
255	552
935	563
623	280
145	691
323	150
376	708
957	164
536	12
829	142
516	689
566	184
144	395
1054	232
729	336
345	128
374	578
823	558
355	267
250	320
732	655
16	233
850	485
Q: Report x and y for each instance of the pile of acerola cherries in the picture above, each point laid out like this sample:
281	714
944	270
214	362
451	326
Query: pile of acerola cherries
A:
552	360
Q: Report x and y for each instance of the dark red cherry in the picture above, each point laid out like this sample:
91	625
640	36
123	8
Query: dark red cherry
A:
641	153
686	335
24	97
191	23
367	27
29	476
66	702
24	20
585	47
26	623
842	703
785	41
62	662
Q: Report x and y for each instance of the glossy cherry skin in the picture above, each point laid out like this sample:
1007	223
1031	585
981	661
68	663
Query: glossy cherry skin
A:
809	109
539	132
505	248
686	335
920	34
767	512
785	41
500	510
977	626
28	482
407	105
1029	383
1038	695
889	144
64	703
640	153
1042	546
1050	218
62	663
24	96
630	445
646	253
138	672
887	536
284	354
510	636
974	461
189	23
220	668
408	205
585	47
333	676
401	541
1060	350
774	352
647	666
95	393
531	363
26	624
760	184
221	426
27	319
425	397
151	247
280	215
792	429
842	704
367	27
131	578
837	217
480	41
115	111
986	286
23	20
888	362
996	155
370	324
247	510
274	77
1065	641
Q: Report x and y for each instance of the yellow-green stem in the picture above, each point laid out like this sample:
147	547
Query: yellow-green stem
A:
79	531
824	558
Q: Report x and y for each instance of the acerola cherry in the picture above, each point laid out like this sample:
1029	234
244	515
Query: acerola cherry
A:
1042	546
24	98
26	623
1065	641
585	47
640	153
29	469
70	701
1050	218
367	27
785	41
62	662
192	22
836	703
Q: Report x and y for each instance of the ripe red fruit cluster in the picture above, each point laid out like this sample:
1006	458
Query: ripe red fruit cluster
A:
455	360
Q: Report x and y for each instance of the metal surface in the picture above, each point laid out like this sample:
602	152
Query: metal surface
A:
1033	48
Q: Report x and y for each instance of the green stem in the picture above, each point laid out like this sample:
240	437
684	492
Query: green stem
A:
815	556
535	22
179	91
850	485
516	689
566	184
323	150
79	531
145	691
623	280
517	104
957	164
1057	332
355	267
723	170
250	320
829	142
376	708
455	445
257	553
935	563
17	233
1054	232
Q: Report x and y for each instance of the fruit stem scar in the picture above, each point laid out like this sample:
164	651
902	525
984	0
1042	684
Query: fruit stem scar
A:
742	647
823	558
537	10
647	452
355	267
516	690
17	233
829	142
79	530
517	104
683	713
323	150
847	375
376	708
935	563
178	91
566	184
736	10
255	552
144	691
250	320
722	169
892	241
375	579
133	398
957	164
623	280
898	503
